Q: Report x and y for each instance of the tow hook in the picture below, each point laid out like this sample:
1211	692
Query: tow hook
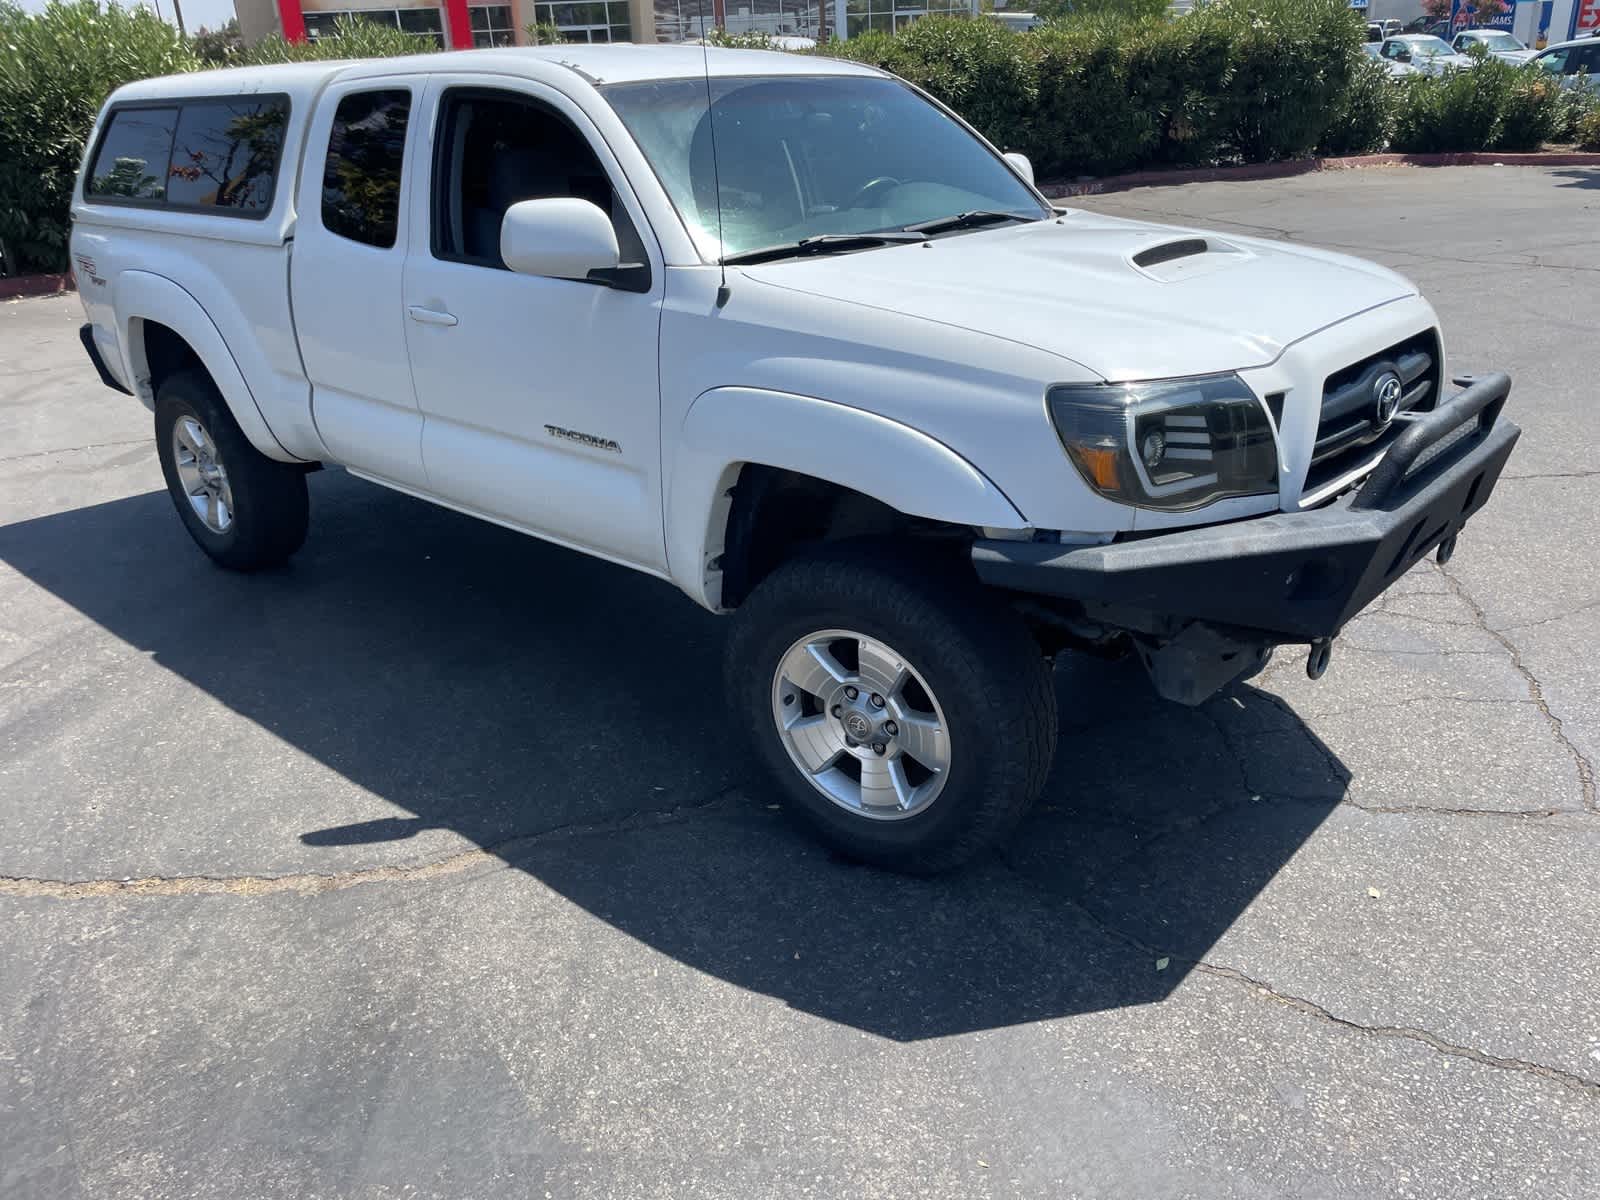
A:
1317	661
1446	550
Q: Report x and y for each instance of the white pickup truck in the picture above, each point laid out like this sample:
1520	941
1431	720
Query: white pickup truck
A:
825	359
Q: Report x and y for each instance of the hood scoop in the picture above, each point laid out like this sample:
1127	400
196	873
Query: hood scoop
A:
1184	258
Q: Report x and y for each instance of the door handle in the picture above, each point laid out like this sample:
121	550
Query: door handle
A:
430	316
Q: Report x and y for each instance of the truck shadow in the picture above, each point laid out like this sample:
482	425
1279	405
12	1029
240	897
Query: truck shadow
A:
568	715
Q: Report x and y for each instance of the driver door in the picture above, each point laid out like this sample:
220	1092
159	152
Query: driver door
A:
540	397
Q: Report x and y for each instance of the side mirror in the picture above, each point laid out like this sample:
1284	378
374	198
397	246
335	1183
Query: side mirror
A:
1020	164
559	238
1402	56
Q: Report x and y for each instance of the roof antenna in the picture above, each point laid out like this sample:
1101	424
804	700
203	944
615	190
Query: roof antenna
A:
716	175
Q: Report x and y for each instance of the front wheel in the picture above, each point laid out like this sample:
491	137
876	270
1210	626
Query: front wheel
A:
909	718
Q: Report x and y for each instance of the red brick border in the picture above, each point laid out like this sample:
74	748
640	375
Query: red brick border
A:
1306	166
36	285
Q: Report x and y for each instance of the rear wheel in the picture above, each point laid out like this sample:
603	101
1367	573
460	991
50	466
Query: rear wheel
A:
245	510
909	718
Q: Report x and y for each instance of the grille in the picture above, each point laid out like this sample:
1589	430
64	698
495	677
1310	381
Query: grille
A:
1351	431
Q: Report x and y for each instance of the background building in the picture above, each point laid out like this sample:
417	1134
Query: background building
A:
455	24
462	25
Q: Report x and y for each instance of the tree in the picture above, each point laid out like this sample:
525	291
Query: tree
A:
1484	11
1436	10
56	69
219	47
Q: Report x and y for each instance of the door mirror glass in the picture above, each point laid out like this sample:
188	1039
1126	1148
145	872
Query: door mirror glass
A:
559	238
1020	164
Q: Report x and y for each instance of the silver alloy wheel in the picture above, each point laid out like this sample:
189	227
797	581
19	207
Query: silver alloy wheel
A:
871	738
201	474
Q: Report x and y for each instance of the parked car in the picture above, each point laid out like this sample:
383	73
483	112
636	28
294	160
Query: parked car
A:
790	335
1017	22
1496	42
1395	68
1428	54
1576	61
1392	26
1376	31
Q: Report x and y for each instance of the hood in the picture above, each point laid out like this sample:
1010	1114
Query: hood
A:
1124	299
1514	56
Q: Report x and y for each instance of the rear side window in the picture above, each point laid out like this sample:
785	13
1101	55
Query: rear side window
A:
225	154
361	180
219	154
131	163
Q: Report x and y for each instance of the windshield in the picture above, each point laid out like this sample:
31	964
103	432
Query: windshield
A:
1498	41
1428	47
805	157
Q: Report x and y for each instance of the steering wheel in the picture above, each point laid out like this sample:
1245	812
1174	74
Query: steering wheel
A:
869	191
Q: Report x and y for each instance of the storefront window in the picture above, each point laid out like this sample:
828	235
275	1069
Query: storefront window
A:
891	16
594	21
427	23
491	25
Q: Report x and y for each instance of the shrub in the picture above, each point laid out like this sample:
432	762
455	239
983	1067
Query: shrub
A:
1458	111
351	38
1529	109
1292	61
1364	119
1492	106
1084	121
1572	105
979	68
739	41
56	69
1587	129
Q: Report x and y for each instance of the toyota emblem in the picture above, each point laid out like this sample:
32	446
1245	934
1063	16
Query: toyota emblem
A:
1386	391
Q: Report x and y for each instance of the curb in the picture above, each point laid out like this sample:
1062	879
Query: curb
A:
1307	166
36	285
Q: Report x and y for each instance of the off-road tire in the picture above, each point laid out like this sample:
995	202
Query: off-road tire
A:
987	672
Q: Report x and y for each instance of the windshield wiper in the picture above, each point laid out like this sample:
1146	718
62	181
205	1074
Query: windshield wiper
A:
966	220
823	243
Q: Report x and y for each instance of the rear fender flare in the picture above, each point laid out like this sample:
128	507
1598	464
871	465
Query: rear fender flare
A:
145	296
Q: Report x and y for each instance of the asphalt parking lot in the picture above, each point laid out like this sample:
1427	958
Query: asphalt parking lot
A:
424	867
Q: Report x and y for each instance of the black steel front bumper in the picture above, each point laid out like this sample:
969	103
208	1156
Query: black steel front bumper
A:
1285	577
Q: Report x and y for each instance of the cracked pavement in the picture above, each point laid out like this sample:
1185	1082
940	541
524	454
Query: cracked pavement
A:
422	868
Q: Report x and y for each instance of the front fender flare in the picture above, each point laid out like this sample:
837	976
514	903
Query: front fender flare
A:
730	427
144	295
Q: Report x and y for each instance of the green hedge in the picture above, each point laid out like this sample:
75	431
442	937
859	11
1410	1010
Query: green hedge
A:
1101	89
1233	81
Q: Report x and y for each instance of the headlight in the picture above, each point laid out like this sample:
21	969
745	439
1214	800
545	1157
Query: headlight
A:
1170	444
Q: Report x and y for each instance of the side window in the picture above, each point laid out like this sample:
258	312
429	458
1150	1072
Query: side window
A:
361	179
225	154
1584	58
496	149
1555	62
131	163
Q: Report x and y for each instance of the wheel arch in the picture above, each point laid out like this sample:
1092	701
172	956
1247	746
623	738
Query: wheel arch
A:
164	329
745	456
